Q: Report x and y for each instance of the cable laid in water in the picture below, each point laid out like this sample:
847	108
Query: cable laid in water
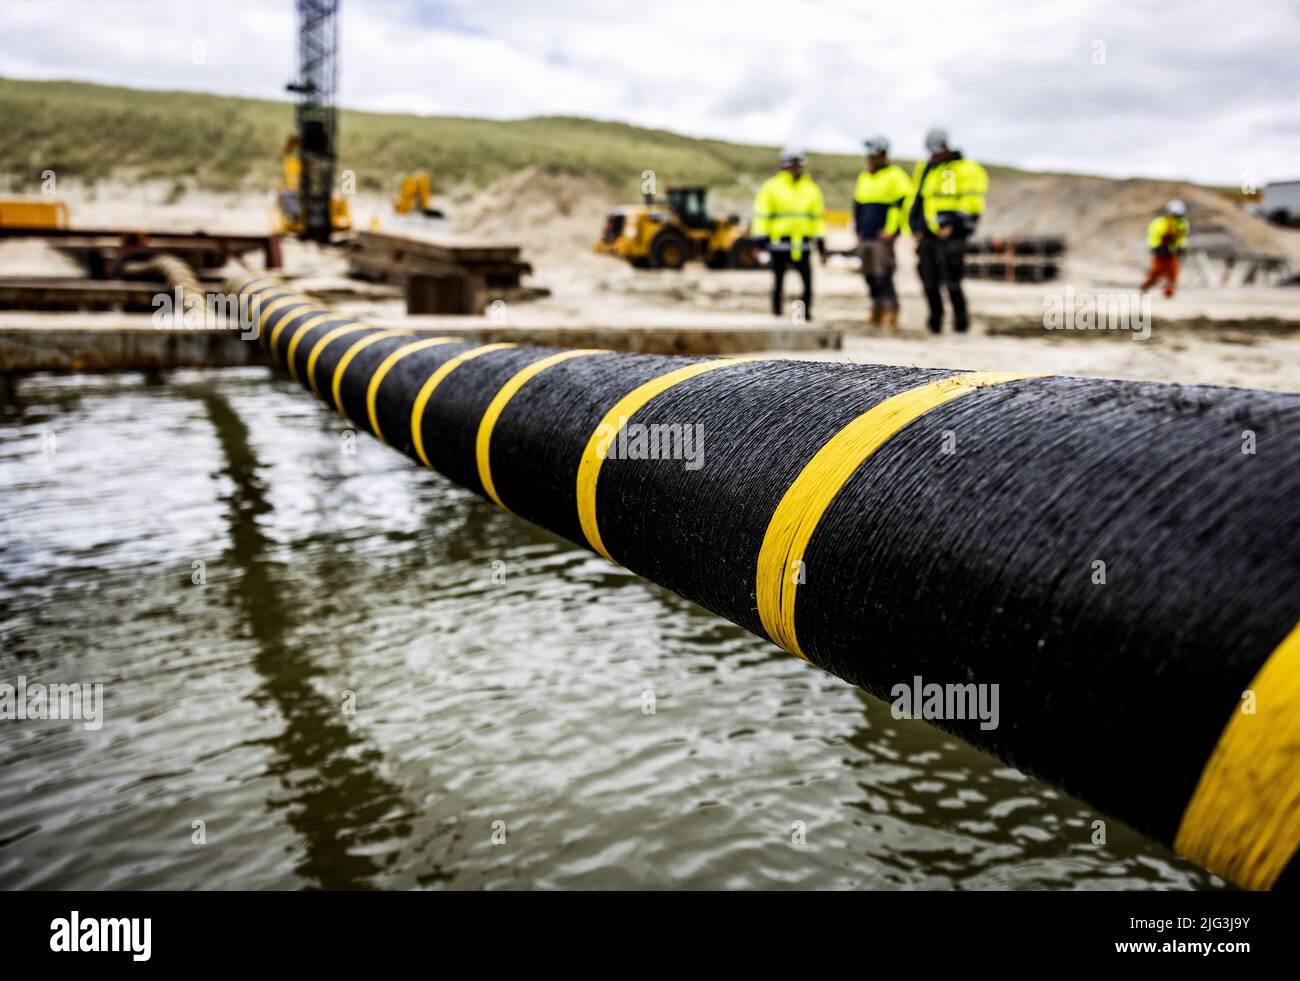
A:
1118	557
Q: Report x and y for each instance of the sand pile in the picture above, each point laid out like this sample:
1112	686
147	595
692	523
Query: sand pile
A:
1104	221
552	212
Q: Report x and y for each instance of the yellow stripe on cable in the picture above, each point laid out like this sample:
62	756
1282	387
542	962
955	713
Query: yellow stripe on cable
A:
351	353
270	308
273	291
245	280
252	275
273	294
483	448
276	291
302	328
1243	820
780	559
292	350
264	284
372	390
594	453
325	340
434	380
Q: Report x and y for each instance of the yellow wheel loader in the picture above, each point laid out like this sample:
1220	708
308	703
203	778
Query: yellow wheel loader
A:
666	234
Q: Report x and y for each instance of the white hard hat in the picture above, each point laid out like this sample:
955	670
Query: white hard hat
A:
1176	207
876	144
936	139
793	155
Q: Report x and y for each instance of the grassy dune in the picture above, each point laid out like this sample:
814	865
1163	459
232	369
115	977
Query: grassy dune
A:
96	132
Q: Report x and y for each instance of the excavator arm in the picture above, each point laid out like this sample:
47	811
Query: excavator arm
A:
415	193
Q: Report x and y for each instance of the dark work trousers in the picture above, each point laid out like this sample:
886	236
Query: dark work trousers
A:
939	262
878	271
781	261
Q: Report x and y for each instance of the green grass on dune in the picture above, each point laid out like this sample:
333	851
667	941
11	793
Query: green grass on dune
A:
97	132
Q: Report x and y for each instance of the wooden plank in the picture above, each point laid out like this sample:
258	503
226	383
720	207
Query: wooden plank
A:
114	235
99	248
129	341
442	248
387	267
102	349
77	294
439	294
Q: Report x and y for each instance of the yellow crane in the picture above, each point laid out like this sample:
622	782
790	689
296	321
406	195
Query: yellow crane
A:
289	215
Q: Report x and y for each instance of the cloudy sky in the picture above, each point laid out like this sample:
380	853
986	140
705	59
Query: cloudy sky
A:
1202	89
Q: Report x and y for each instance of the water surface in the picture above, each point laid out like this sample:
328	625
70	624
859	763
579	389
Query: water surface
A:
387	682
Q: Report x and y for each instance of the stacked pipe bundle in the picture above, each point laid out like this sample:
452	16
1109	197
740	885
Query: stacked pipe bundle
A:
1120	558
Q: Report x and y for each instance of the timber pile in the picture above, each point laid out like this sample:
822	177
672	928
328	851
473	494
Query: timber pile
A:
1015	260
442	275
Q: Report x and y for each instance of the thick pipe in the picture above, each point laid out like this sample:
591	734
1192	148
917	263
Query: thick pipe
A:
1119	558
177	273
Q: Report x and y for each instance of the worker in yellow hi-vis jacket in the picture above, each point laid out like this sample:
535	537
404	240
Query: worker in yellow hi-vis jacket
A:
1166	238
788	223
879	195
947	200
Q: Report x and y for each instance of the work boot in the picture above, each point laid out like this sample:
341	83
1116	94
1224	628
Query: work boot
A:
876	316
889	320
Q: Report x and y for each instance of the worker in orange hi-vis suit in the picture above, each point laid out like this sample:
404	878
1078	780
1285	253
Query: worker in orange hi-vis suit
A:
1166	238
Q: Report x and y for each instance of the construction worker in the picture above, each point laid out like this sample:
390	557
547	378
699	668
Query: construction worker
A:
947	200
787	223
1166	238
878	199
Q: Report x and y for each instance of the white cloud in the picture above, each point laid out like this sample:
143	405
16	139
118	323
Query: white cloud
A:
1189	89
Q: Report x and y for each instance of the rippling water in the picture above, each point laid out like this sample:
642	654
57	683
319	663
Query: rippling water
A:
498	675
